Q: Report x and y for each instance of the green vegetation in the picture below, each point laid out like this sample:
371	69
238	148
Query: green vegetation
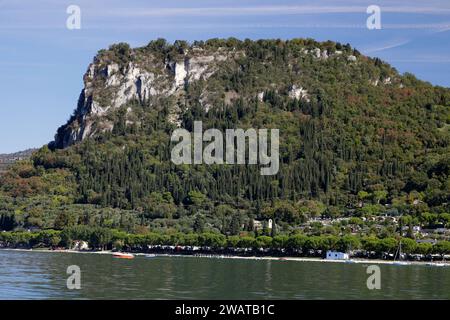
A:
376	155
297	244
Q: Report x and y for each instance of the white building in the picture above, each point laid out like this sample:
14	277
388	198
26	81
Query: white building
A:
259	224
80	245
336	255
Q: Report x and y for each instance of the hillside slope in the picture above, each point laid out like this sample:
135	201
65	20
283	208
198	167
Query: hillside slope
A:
356	139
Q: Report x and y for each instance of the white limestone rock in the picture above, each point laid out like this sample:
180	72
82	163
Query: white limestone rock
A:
180	73
316	52
261	96
298	93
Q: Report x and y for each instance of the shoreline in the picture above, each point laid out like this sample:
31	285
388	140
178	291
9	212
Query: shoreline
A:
266	258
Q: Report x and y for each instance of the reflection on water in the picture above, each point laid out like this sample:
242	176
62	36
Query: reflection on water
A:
42	275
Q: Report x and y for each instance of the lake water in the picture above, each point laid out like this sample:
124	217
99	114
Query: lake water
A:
42	275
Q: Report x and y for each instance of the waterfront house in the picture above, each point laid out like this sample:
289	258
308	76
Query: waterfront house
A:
336	255
80	245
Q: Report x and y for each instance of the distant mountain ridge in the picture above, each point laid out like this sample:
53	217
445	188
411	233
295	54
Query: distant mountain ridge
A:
7	159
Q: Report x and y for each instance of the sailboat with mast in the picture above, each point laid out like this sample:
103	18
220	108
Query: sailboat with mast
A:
399	254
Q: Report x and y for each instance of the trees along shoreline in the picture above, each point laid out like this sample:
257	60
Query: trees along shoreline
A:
280	245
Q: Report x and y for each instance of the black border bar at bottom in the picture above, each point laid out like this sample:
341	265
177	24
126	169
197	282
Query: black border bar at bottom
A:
224	309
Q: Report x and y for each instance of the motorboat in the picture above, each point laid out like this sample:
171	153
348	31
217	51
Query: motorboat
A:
123	255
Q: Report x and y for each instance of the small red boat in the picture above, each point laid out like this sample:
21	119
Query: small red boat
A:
123	255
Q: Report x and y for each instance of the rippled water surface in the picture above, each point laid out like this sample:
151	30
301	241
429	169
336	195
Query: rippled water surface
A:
42	275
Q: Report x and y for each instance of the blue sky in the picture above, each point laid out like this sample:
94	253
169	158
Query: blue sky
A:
42	62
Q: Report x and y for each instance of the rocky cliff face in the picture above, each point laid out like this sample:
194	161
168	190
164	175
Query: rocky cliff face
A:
121	75
108	85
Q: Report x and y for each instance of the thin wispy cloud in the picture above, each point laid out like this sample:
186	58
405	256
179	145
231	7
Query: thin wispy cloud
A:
387	46
102	15
423	60
224	11
443	28
243	24
265	10
438	26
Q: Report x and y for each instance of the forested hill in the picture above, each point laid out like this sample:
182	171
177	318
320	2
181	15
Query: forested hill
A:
356	139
